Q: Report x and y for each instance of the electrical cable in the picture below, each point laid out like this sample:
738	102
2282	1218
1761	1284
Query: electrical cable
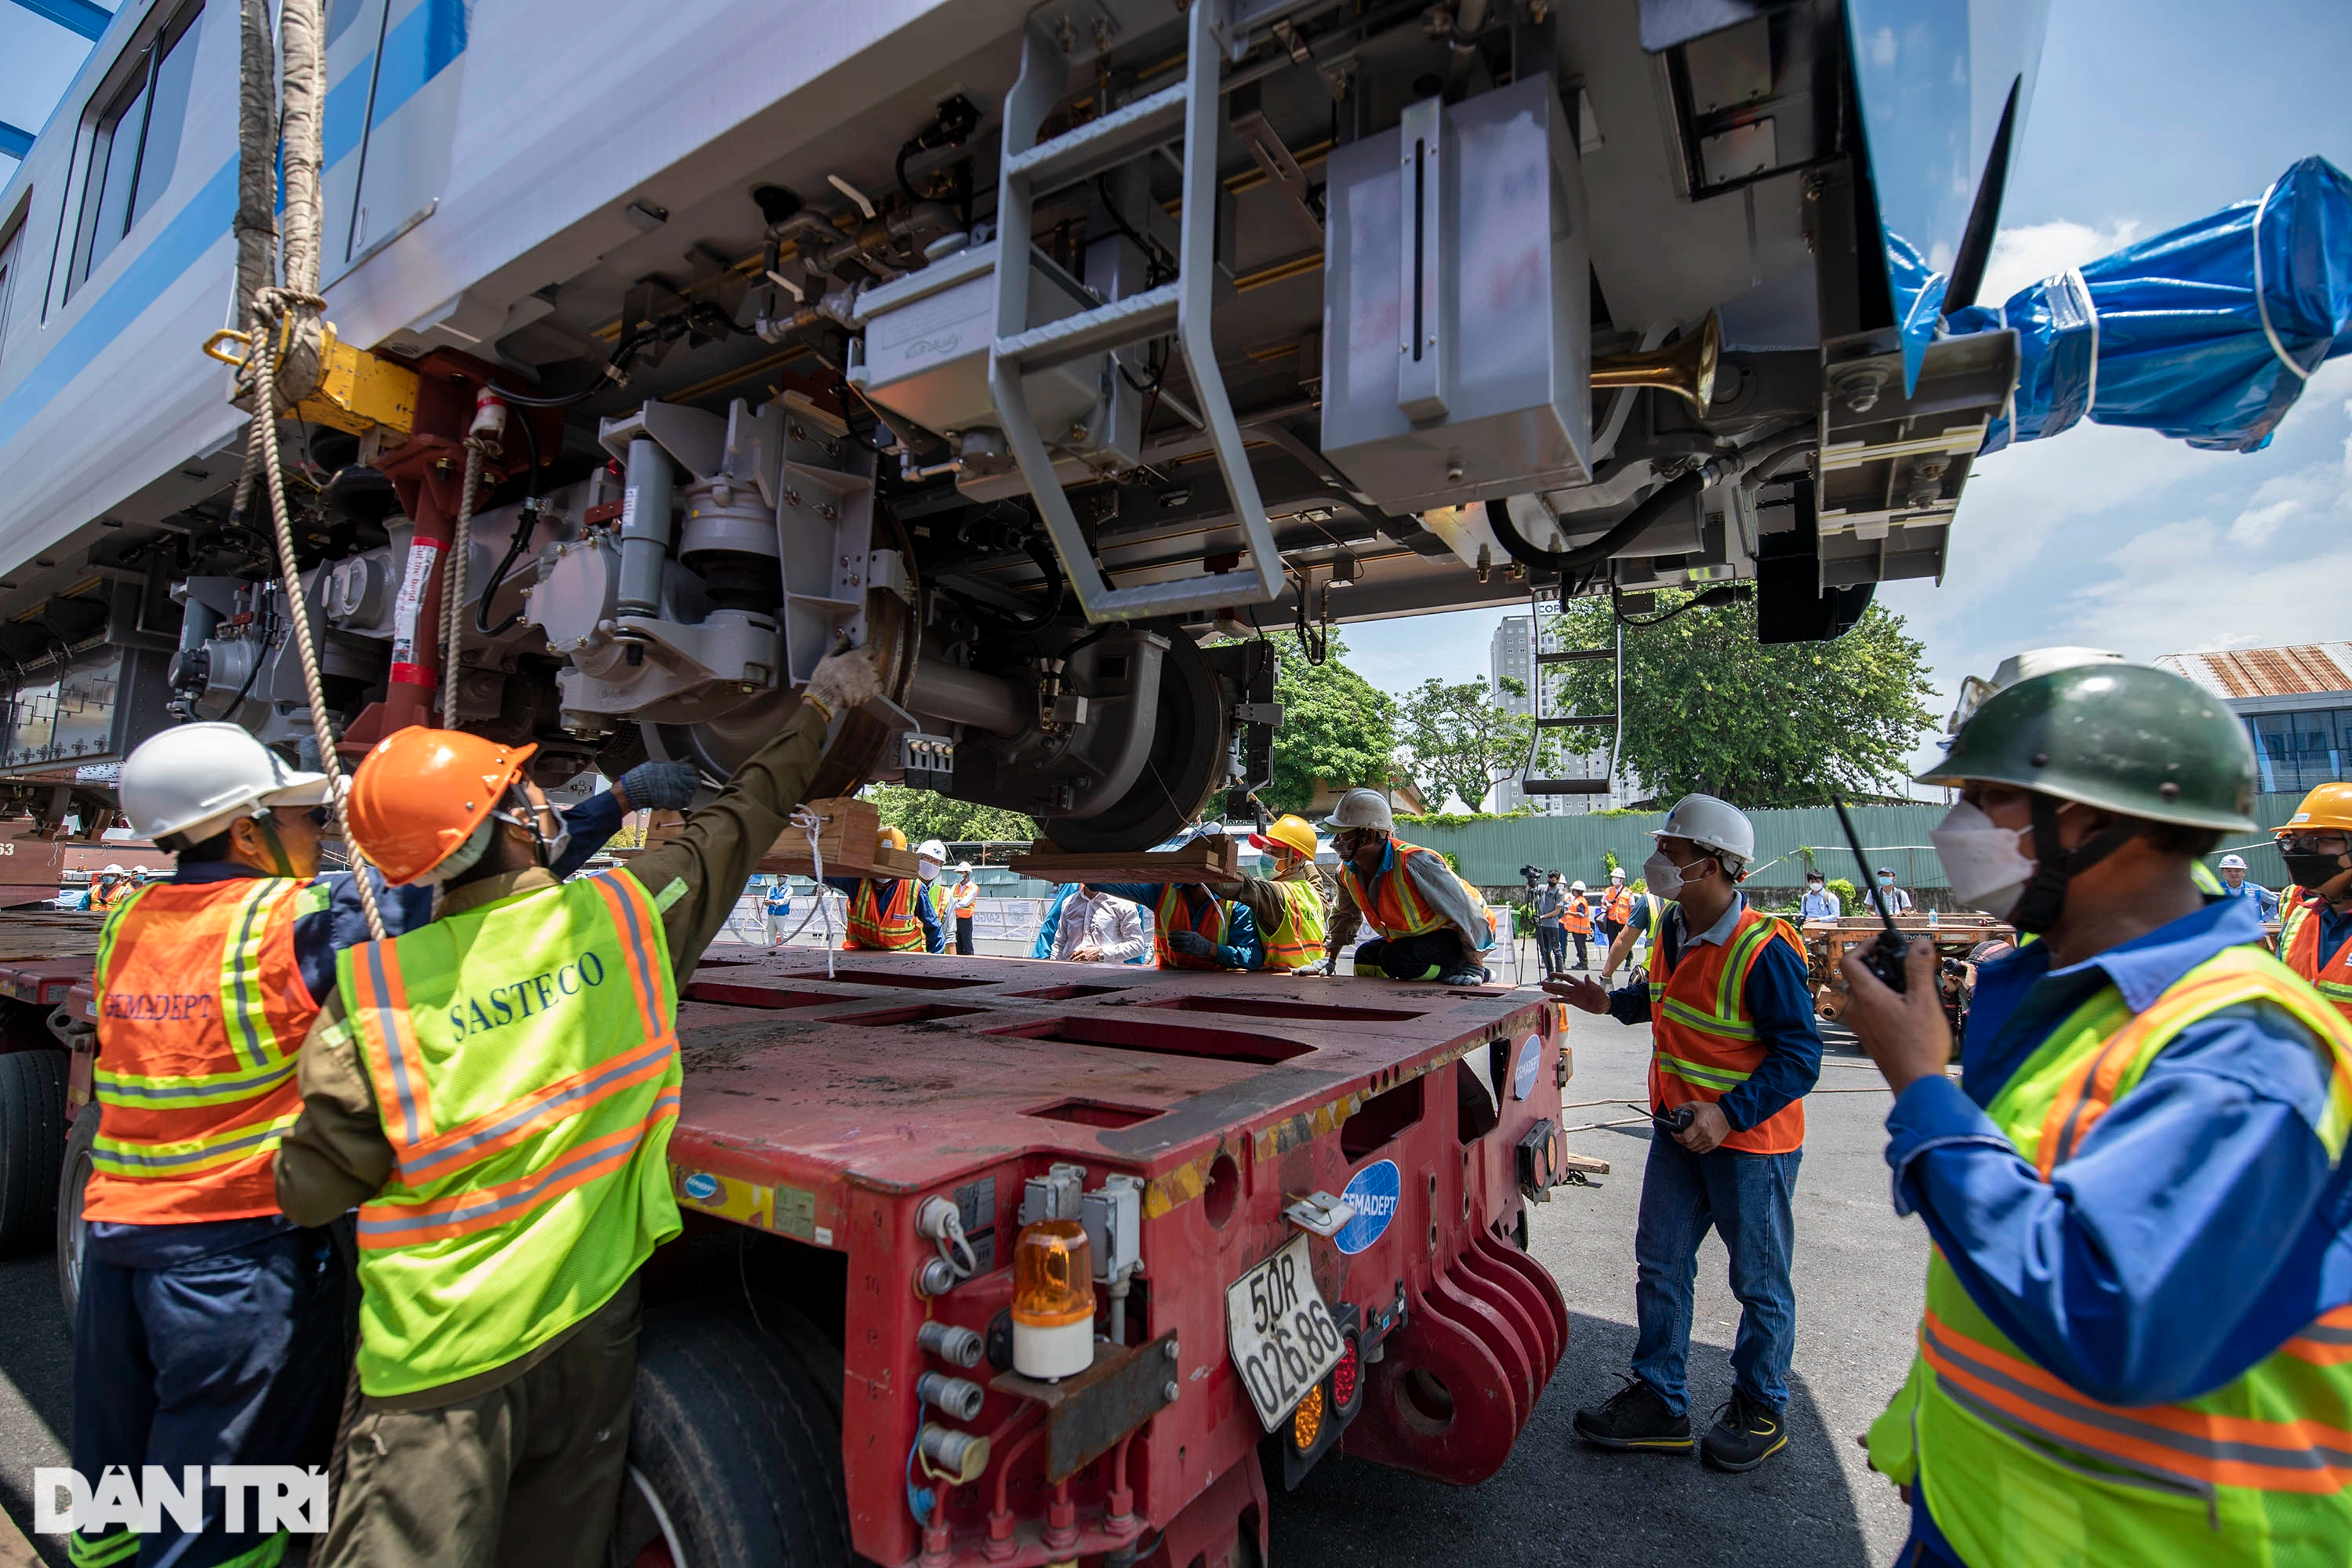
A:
1634	523
524	524
1722	593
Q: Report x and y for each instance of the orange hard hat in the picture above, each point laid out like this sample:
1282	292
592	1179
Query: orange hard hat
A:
890	838
1291	833
421	793
2329	806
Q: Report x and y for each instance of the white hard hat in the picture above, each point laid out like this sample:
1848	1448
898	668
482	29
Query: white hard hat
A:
1363	808
1711	824
1576	887
930	849
963	867
194	780
2233	862
1975	691
1617	873
114	872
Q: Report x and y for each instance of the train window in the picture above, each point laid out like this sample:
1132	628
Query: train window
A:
11	249
134	143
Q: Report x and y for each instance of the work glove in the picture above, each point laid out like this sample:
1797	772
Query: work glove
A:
1191	945
659	787
843	680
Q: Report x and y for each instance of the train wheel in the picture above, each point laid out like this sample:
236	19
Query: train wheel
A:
32	1146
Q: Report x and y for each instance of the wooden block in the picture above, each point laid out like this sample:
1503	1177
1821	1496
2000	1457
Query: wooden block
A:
1584	1163
1213	858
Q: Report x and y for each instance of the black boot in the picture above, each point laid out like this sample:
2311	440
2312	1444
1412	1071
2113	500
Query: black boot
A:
1635	1419
1746	1433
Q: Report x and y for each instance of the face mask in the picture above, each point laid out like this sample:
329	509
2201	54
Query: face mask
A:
1665	877
929	869
1887	881
1986	868
1815	887
2312	871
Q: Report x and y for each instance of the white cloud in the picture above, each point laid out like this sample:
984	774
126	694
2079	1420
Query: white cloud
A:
2034	251
2185	588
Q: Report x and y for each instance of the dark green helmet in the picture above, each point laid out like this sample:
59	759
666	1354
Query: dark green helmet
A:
2119	737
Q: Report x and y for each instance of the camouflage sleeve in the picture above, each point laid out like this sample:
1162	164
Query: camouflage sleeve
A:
337	1156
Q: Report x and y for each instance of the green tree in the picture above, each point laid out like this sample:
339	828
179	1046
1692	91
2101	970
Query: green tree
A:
1337	727
923	813
1463	741
1709	709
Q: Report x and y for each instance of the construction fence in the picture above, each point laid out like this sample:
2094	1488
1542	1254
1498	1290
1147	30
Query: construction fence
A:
1489	854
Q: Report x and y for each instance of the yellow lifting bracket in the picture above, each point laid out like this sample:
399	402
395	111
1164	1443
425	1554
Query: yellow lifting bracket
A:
358	391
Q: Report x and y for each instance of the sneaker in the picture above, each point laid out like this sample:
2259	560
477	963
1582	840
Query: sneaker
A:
1746	1433
1462	977
1635	1419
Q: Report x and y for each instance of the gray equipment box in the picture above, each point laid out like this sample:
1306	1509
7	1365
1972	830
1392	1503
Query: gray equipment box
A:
1457	307
927	336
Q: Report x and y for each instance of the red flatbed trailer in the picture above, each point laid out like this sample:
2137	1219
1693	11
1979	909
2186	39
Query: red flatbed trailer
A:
820	1112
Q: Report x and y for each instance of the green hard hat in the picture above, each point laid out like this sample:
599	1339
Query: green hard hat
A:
2119	737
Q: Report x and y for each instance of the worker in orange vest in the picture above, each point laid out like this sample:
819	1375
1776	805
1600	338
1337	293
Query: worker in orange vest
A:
1429	924
1616	905
1577	921
2316	844
963	903
889	914
1735	1051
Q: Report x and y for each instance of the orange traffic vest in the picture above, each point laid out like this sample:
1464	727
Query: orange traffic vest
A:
2300	952
964	898
1577	919
1193	908
1620	906
1703	1044
1391	902
890	927
201	1016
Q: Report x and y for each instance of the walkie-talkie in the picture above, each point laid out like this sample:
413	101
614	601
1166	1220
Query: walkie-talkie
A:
1886	956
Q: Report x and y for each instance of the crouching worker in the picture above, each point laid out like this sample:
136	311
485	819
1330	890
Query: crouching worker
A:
496	1092
1432	925
889	914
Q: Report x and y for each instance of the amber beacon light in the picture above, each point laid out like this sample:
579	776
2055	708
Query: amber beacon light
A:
1053	1300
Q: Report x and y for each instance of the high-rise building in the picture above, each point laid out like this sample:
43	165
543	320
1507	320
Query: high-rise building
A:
1511	653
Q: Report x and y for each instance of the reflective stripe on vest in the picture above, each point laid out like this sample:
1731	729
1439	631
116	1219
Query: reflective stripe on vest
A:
887	928
2022	1468
2299	949
526	1071
1702	1042
1297	941
202	1014
1191	908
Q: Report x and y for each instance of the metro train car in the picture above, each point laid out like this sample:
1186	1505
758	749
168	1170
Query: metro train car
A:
1324	310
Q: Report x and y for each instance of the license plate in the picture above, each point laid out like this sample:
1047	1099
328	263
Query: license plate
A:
1281	1334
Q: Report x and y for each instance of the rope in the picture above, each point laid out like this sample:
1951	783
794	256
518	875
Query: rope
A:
263	450
809	822
453	576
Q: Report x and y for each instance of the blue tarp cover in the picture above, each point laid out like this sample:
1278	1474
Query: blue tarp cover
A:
2205	334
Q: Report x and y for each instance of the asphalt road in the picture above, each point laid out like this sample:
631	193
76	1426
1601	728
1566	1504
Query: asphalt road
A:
1858	1277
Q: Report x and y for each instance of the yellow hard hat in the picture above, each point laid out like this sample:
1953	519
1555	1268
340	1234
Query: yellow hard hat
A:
1292	833
890	838
2329	806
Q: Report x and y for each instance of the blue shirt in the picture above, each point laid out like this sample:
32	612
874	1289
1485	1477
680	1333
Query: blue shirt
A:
1778	1001
1243	948
2265	901
1821	906
2333	929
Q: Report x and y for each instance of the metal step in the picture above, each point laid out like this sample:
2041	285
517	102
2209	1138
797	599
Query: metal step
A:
1137	319
1576	656
1103	143
1563	786
1575	721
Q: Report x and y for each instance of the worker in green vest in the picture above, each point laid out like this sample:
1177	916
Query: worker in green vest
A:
2138	1341
495	1092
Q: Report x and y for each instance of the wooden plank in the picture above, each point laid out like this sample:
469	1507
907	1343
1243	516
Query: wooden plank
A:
1585	1162
1212	858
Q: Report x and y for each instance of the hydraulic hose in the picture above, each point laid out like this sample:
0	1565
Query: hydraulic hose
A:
1667	497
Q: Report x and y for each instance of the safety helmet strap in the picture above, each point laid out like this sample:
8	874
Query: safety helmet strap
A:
2040	907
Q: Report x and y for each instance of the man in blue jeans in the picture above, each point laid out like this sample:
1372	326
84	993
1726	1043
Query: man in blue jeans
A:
1735	1051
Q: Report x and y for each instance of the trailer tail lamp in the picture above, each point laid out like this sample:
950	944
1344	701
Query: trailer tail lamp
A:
1346	1378
1053	1300
1306	1421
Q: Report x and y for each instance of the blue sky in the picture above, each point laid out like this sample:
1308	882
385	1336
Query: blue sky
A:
2147	113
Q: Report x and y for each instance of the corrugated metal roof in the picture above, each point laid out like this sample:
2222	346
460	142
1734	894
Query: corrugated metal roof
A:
2289	671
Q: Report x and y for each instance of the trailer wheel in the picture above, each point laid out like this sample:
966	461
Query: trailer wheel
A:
734	1458
32	1146
72	1229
